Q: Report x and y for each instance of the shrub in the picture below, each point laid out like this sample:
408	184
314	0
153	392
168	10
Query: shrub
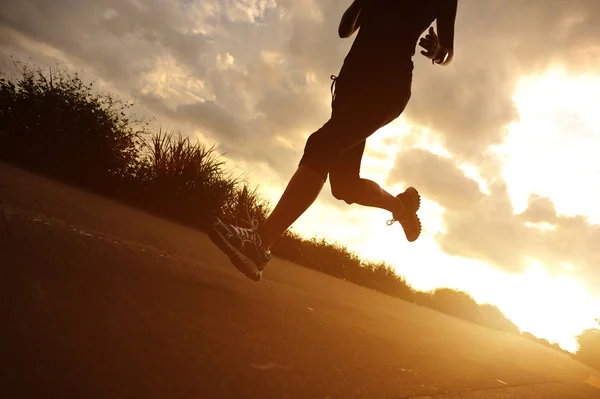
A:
456	303
54	122
588	346
183	179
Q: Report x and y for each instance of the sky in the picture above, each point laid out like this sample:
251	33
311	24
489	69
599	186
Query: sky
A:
501	144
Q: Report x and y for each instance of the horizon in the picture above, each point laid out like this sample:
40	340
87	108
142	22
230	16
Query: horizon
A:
504	157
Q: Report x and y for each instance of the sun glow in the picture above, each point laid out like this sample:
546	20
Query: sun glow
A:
555	143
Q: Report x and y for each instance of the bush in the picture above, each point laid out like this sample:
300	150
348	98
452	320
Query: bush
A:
456	303
462	305
588	346
182	179
493	317
336	260
53	122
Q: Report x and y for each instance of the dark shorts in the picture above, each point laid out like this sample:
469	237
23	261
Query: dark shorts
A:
359	109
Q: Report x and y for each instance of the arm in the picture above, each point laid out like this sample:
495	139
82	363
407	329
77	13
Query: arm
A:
350	21
445	26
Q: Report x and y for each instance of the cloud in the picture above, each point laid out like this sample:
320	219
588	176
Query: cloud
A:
213	117
485	228
469	103
437	177
540	209
495	235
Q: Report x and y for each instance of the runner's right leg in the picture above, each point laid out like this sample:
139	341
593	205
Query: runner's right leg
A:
299	195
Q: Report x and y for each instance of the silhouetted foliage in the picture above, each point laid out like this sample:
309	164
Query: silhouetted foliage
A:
588	343
335	259
493	317
53	122
184	180
544	342
456	303
462	305
529	336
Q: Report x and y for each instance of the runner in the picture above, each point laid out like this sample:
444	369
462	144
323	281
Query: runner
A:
372	90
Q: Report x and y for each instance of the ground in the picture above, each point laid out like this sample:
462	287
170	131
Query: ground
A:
99	300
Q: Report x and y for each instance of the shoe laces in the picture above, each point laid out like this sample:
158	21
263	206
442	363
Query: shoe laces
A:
249	233
393	219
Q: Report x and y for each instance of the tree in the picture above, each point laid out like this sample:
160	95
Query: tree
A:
588	346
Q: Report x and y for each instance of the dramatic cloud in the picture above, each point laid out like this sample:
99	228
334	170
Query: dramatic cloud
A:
497	41
540	210
484	227
118	39
438	179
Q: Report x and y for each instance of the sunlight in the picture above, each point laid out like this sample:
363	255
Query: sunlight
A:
556	308
541	226
472	172
173	83
555	143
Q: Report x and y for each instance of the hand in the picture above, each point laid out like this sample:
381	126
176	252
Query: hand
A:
430	43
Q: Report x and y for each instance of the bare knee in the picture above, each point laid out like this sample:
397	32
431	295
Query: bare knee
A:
344	189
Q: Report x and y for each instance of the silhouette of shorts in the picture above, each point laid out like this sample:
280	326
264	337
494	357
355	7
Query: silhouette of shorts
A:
359	108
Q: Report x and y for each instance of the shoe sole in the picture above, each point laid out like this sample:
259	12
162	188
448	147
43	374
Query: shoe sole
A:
415	221
239	260
414	203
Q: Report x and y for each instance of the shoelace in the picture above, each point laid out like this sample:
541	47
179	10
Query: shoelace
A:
333	92
391	221
249	233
